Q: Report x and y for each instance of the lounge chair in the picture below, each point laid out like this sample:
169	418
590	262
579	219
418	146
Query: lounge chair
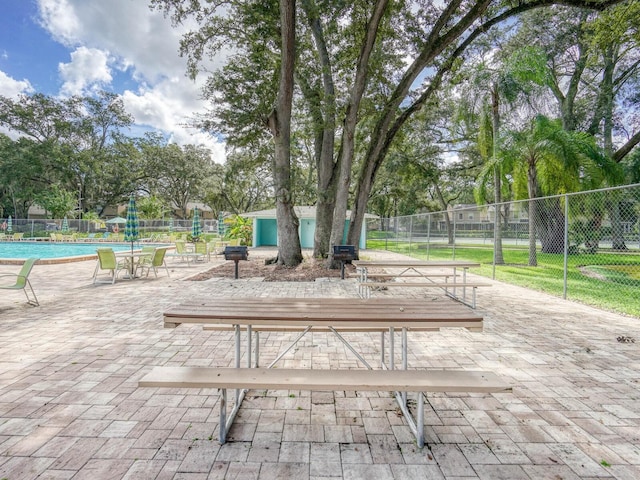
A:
107	261
22	281
17	236
154	262
182	253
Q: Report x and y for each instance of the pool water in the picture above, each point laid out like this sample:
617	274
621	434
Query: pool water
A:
53	250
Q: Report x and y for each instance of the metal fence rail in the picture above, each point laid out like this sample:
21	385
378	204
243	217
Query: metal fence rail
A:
583	246
41	227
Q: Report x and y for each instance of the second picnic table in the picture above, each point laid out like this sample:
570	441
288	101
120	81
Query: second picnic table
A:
425	271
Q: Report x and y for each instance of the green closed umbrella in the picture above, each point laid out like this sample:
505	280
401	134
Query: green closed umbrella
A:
196	229
65	225
131	233
9	225
171	225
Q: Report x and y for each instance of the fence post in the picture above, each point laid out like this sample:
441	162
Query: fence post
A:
566	246
428	234
495	240
453	247
410	233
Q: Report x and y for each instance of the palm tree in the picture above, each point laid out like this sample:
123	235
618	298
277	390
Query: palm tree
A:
512	79
550	160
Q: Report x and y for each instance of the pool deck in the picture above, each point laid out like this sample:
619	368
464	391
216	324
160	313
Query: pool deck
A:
70	407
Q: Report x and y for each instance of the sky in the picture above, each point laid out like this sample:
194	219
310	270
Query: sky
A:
75	47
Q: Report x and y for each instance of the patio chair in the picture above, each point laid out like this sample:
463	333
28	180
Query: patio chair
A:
181	249
22	281
18	236
154	262
146	250
107	261
202	249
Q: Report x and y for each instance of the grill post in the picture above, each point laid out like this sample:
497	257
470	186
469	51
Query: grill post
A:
344	254
236	253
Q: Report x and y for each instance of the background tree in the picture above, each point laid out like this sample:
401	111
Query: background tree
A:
547	158
242	185
180	173
151	207
57	201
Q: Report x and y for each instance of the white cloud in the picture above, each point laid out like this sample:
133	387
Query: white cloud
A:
88	68
57	16
141	44
11	88
167	109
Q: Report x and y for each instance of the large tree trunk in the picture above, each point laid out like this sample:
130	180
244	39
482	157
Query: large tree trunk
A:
498	258
550	222
613	206
349	128
324	115
447	218
289	250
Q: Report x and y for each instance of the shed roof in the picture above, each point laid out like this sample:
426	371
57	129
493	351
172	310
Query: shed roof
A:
301	212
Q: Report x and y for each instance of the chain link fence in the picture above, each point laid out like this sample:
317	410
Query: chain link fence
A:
38	228
581	246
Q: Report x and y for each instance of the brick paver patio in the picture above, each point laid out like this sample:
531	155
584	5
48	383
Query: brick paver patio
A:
70	407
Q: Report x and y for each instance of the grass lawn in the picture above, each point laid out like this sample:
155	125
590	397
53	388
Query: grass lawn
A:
606	280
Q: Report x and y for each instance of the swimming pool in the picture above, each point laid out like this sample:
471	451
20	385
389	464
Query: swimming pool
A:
54	252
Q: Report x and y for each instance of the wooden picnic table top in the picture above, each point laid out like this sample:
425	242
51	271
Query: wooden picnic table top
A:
415	263
336	312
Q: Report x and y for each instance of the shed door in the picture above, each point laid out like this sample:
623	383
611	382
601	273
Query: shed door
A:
307	231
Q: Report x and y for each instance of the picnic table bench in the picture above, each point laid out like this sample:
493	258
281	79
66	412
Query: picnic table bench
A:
454	273
336	315
403	381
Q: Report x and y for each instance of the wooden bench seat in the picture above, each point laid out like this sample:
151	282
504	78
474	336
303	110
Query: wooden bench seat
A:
364	288
418	381
406	275
325	380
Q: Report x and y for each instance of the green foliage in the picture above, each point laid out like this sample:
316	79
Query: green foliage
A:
559	160
57	201
150	207
240	227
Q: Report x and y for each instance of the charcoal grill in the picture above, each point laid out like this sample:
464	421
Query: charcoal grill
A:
236	253
344	254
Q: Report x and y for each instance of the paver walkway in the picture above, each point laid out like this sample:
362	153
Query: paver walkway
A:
70	407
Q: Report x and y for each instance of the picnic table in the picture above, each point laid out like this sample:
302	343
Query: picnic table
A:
449	275
337	316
